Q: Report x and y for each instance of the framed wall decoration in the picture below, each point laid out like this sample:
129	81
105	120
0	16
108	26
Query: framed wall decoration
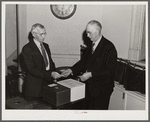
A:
63	11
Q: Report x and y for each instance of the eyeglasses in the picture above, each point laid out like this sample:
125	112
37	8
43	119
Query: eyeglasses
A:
42	34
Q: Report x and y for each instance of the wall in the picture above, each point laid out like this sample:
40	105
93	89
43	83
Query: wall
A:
116	26
10	30
10	36
65	36
22	26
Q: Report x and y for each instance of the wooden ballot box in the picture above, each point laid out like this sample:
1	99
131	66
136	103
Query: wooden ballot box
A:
77	88
18	103
56	94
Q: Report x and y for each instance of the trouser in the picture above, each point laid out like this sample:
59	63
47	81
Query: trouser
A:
100	102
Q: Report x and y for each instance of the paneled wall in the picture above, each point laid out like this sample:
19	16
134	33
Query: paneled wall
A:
65	36
10	30
10	35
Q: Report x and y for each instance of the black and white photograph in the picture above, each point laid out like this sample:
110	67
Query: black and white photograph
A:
74	60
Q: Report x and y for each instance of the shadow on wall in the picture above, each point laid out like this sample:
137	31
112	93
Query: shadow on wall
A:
85	39
86	44
30	37
20	57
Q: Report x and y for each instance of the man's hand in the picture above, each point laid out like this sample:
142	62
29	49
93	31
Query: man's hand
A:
55	75
85	76
66	73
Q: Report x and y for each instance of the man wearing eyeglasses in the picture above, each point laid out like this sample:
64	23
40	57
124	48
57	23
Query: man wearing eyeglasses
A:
40	68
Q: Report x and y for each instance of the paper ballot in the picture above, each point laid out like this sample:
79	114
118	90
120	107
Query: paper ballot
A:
52	85
77	88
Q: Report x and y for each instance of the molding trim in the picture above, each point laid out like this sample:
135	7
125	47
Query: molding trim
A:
65	59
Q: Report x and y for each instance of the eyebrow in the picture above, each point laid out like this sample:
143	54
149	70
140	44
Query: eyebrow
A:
88	32
43	33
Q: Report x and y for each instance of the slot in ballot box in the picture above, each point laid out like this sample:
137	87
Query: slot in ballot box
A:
77	88
56	94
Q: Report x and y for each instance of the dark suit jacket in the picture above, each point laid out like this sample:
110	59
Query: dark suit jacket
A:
102	65
37	75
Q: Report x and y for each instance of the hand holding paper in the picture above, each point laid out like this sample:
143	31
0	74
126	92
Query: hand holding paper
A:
85	76
66	73
55	75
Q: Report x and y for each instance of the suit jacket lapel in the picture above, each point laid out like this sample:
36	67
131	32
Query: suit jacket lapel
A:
98	50
34	47
47	50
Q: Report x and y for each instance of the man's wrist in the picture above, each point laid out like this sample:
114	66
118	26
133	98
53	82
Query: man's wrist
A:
71	72
90	74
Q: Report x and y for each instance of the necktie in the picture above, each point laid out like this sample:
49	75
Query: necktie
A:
44	55
93	47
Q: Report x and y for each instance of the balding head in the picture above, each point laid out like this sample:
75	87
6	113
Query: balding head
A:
93	30
38	32
36	27
97	24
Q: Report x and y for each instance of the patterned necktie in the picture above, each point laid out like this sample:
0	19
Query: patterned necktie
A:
93	47
44	55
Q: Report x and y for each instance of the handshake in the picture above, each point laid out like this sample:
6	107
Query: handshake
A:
65	73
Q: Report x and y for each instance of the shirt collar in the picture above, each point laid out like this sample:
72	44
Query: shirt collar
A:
97	42
37	43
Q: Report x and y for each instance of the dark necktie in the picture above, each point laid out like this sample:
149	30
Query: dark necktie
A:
44	55
93	47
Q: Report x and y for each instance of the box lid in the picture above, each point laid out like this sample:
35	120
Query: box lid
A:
70	83
57	87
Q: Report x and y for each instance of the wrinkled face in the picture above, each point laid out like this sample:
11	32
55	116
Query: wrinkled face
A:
39	34
92	32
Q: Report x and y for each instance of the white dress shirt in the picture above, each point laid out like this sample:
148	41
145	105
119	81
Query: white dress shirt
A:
96	43
39	47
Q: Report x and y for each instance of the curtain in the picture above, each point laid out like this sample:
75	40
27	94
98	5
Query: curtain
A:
130	77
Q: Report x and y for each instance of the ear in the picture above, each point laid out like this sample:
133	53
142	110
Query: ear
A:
33	33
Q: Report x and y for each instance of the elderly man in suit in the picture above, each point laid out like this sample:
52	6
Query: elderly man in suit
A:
40	68
98	65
